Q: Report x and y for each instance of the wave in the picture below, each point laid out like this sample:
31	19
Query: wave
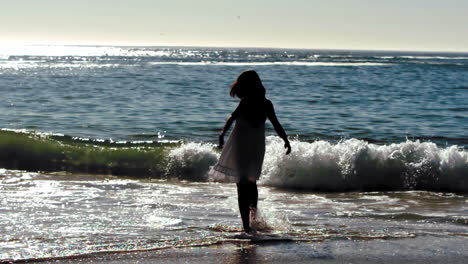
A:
358	165
348	165
33	64
79	64
433	57
272	63
51	152
321	165
20	65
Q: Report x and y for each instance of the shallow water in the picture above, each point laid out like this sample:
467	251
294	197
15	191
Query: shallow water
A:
49	216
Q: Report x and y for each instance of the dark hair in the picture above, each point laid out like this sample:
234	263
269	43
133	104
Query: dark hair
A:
248	84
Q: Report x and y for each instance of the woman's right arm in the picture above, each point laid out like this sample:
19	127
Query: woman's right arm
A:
278	127
228	124
226	127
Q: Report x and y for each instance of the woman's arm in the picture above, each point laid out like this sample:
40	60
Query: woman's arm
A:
229	122
278	127
227	125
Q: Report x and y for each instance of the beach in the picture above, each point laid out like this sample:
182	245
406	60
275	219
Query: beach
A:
105	153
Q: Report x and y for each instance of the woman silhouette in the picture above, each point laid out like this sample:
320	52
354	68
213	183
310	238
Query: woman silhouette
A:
242	157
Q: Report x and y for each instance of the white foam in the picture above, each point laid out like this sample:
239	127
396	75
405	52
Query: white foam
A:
268	219
192	161
21	65
159	222
433	57
347	165
273	63
356	164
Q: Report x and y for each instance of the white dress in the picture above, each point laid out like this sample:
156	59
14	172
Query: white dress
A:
242	155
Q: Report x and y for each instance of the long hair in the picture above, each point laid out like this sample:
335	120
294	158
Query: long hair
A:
248	84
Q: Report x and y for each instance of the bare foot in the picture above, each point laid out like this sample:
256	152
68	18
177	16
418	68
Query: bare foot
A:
253	214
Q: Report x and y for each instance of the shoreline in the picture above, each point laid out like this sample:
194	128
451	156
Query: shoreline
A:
422	249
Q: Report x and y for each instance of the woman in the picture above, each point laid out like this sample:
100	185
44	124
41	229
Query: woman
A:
242	157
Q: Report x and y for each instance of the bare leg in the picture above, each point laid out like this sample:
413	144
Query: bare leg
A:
243	200
253	193
247	197
253	200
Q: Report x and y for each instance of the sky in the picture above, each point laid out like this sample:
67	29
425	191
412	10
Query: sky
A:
415	25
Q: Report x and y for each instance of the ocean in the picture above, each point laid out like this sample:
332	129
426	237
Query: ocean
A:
107	149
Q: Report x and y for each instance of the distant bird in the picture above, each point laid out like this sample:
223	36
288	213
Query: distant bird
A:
238	17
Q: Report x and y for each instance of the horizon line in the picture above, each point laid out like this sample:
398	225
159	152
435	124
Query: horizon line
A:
126	44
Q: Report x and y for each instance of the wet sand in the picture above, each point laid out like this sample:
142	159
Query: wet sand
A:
426	249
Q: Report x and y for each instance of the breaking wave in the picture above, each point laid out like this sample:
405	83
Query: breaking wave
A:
321	165
358	165
347	165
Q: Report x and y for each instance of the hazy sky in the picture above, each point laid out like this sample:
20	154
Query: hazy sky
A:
439	25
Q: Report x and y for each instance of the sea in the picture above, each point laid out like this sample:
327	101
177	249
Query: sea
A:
107	149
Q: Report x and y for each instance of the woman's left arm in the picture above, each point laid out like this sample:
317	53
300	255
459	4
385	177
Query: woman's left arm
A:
278	127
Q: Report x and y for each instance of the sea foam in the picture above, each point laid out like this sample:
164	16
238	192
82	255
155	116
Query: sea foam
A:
191	161
358	165
347	165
